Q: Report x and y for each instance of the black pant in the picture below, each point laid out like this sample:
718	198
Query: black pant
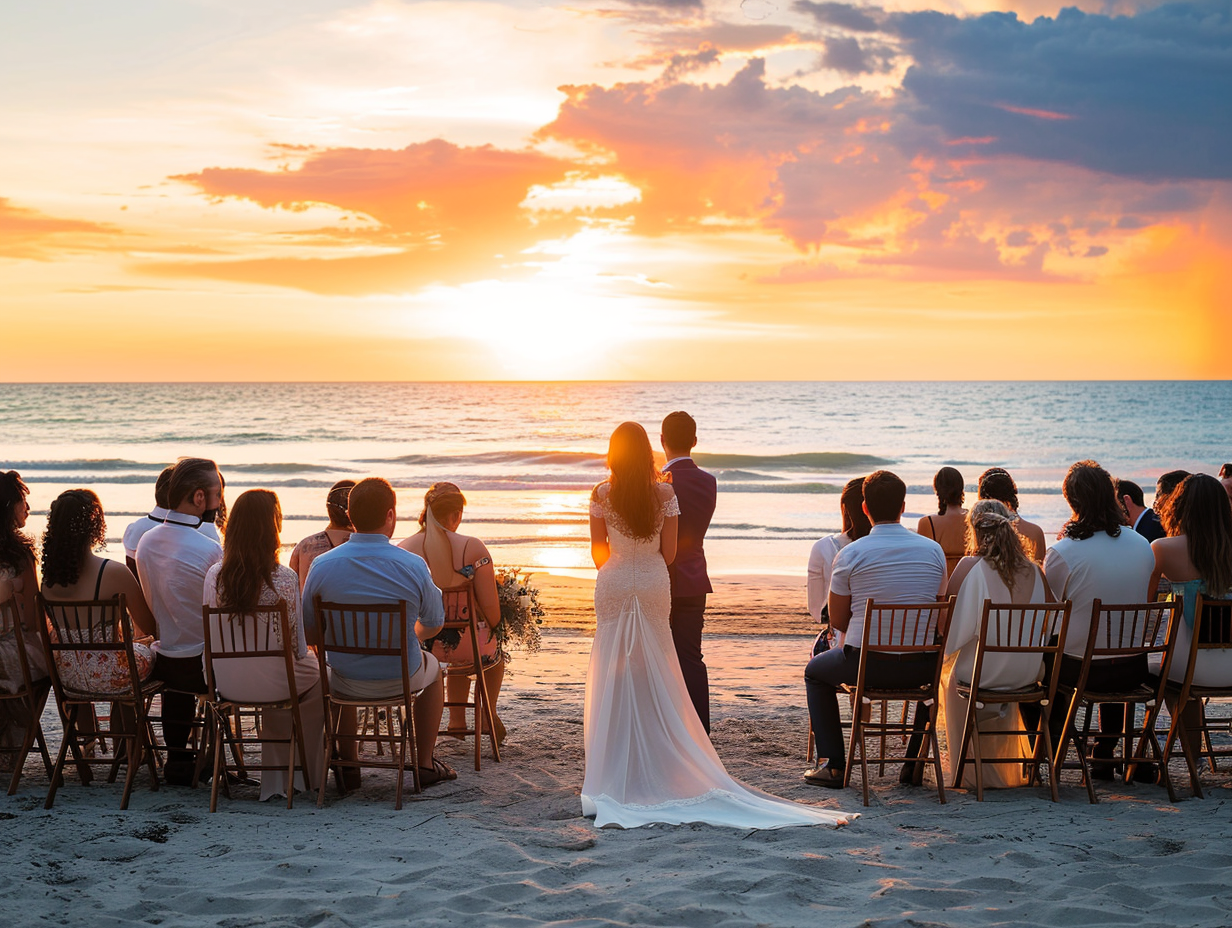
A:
687	618
179	709
1106	676
830	669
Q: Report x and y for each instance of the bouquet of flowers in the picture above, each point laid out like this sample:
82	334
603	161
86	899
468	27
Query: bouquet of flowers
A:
521	614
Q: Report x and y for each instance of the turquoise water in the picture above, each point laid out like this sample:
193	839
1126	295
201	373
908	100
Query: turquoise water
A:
526	454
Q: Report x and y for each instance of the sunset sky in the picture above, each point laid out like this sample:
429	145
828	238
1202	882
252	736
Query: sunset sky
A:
766	189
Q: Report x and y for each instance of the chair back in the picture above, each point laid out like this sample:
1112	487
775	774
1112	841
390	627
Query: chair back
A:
1212	632
10	626
460	613
261	638
905	628
368	629
1129	629
87	625
1033	631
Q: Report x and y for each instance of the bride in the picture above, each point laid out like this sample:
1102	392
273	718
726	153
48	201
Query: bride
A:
648	759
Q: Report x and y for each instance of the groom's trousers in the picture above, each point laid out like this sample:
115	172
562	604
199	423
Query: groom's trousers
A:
687	618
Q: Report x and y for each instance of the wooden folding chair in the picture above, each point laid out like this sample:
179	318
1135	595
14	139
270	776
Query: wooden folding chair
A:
899	631
461	616
372	630
31	695
262	641
1212	632
97	626
1123	630
1033	633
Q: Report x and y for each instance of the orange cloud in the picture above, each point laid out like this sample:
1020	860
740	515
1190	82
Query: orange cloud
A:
27	233
452	212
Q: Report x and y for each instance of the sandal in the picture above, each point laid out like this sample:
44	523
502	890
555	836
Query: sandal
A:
436	773
831	777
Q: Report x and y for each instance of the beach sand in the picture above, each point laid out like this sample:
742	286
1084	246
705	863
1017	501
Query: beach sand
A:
507	846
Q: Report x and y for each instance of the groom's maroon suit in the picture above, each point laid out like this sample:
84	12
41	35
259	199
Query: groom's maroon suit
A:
696	492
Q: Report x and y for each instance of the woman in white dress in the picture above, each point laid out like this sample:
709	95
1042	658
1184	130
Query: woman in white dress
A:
998	568
247	578
648	758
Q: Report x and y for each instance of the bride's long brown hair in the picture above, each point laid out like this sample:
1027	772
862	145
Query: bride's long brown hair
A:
634	477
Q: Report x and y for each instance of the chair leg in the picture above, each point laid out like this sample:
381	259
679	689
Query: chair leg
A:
964	743
979	756
402	728
932	738
808	753
330	747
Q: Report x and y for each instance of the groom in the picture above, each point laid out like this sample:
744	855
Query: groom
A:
696	493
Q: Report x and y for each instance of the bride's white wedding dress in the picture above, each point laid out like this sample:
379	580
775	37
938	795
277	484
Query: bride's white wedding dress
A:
648	759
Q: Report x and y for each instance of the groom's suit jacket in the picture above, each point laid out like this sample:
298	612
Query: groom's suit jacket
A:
697	492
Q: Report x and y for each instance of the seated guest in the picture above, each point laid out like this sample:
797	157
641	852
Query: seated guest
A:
1196	556
370	569
1097	559
156	516
334	534
821	560
73	571
1165	485
172	561
454	560
17	580
249	577
1225	477
949	526
997	569
1142	520
996	483
889	565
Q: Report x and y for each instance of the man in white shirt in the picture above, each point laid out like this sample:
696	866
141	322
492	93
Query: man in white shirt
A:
1097	557
156	516
889	565
172	560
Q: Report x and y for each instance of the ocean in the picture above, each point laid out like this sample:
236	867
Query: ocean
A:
526	454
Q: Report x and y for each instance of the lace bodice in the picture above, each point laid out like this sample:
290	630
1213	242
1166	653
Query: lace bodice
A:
619	536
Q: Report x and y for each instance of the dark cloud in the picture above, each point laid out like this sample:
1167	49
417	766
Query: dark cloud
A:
844	15
851	56
1140	96
1096	251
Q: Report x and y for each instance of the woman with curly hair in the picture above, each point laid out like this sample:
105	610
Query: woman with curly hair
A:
248	578
996	568
17	581
74	571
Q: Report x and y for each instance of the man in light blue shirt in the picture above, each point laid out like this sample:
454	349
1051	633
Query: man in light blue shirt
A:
891	564
369	568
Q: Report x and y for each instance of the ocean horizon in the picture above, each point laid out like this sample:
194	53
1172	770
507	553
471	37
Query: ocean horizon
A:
526	454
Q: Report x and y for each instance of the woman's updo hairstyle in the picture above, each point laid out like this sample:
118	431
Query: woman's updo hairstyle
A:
75	526
444	499
991	535
996	483
336	504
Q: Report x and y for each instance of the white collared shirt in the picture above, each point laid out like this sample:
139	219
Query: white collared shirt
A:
158	515
683	457
172	561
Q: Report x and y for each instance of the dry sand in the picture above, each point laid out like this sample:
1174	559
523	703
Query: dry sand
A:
507	846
